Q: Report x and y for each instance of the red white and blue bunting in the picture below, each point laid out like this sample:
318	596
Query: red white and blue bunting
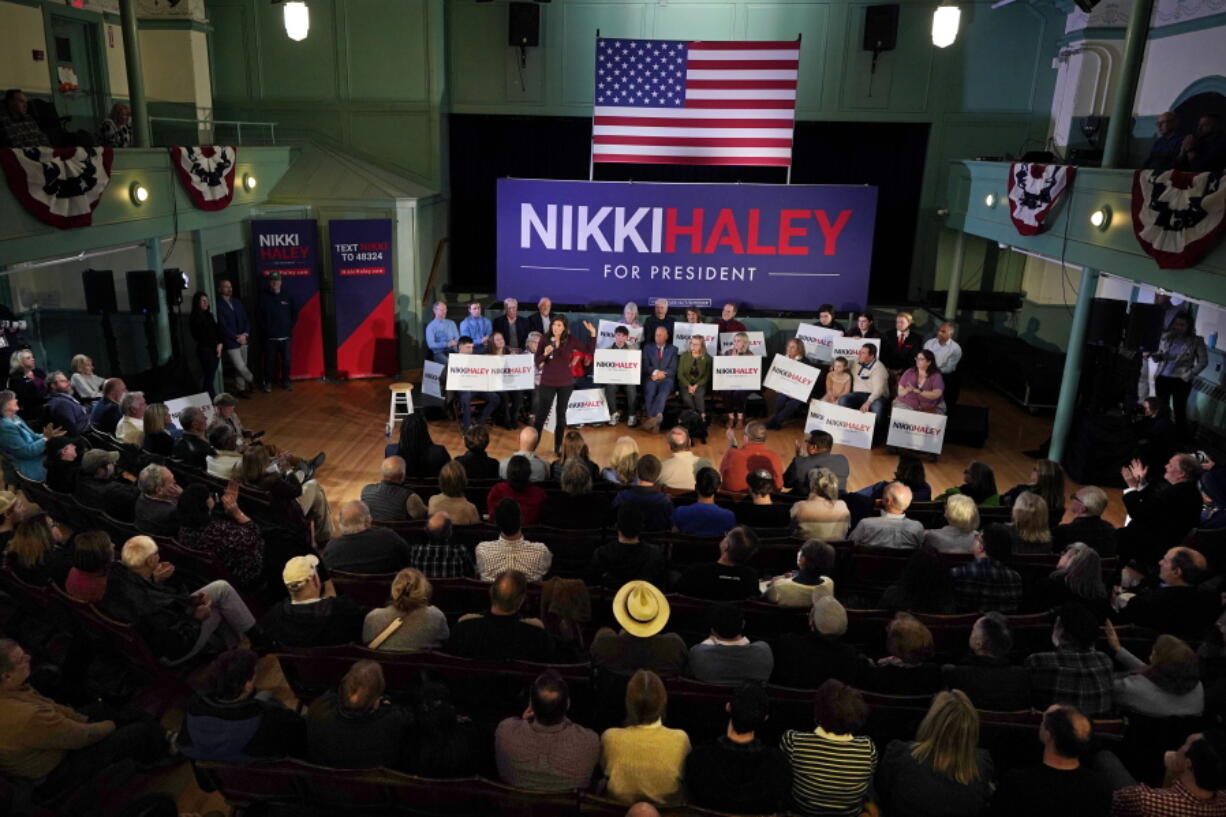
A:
1177	215
58	186
207	174
1034	190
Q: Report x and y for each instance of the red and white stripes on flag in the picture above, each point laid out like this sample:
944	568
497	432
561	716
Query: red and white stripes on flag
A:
701	103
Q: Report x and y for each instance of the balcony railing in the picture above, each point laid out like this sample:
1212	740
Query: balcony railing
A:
171	130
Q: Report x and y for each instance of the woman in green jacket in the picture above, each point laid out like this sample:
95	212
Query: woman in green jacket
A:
694	376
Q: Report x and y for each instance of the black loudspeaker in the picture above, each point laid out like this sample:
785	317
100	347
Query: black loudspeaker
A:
881	28
523	25
175	282
1106	326
142	291
99	285
1144	327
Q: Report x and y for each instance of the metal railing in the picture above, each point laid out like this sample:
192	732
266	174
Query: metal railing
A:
258	133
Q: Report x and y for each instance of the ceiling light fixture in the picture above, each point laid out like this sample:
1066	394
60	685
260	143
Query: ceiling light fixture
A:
297	20
138	193
945	22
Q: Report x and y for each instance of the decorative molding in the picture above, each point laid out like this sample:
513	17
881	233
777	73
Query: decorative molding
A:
1210	84
173	25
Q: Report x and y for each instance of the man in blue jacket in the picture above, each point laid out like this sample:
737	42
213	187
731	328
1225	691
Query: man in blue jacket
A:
235	336
63	408
660	368
442	335
276	315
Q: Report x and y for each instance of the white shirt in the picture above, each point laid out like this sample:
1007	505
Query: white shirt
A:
947	356
131	430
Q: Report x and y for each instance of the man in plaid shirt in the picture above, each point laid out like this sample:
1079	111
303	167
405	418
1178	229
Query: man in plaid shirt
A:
511	551
986	584
439	557
1076	673
1197	772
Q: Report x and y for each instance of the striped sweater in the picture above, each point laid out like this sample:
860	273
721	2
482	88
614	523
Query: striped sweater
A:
830	773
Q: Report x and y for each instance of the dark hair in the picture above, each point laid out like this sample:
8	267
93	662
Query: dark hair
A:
432	709
508	590
997	637
414	443
819	556
463	340
621	330
980	482
630	520
648	468
821	440
10	93
55	446
1184	560
362	687
926	584
550	698
508	516
760	482
1079	624
230	672
646	698
548	334
1061	724
838	708
725	620
998	542
826	308
1208	760
196	301
193	506
92	551
932	361
221	435
707	482
749	708
519	473
476	438
742	543
910	472
870	348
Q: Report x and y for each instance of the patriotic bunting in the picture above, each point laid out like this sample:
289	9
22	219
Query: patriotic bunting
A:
58	186
1034	190
1176	215
207	174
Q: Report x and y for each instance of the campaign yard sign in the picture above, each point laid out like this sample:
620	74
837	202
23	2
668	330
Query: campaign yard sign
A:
791	377
605	330
737	373
709	332
200	400
619	366
512	373
490	372
432	379
757	342
847	426
916	430
850	347
818	341
585	406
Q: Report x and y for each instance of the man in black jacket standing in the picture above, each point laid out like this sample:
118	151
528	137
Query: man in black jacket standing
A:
276	313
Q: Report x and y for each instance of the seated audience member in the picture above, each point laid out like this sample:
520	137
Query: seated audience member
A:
311	616
925	585
576	506
355	726
962	522
511	551
159	431
529	439
1161	510
225	462
737	773
817	453
921	387
1046	481
1213	491
519	489
543	750
1197	775
157	510
1168	686
477	464
642	611
806	661
131	427
986	674
574	447
787	407
907	668
1078	578
284	481
492	399
644	760
1205	148
193	447
1167	145
13	509
363	548
409	623
758	510
728	578
623	462
832	767
92	554
501	635
99	489
442	743
986	583
751	455
823	515
220	528
35	555
105	414
656	505
892	528
628	558
1075	673
22	445
808	581
85	384
979	483
870	386
451	499
29	385
704	517
61	464
1176	605
681	469
176	624
423	458
942	771
1087	525
230	722
910	472
55	747
63	409
727	656
1031	533
1063	784
389	499
439	557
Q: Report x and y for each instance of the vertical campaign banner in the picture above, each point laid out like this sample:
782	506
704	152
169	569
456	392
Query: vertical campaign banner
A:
362	279
291	247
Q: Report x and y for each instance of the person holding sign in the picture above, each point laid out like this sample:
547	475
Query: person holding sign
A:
870	385
838	380
621	340
660	362
693	314
694	376
825	317
492	399
921	388
788	407
864	327
513	401
557	379
735	401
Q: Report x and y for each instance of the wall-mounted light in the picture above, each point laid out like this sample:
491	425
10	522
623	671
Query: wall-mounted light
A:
248	182
1101	218
297	19
989	200
138	193
945	22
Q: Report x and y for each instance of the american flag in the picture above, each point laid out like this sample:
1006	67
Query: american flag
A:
695	103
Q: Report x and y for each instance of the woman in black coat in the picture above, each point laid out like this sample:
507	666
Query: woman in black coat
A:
208	341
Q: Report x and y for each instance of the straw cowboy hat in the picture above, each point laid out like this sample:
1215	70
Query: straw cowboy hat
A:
640	608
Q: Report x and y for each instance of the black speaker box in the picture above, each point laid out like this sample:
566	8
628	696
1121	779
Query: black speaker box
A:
142	291
99	285
173	280
1144	327
967	425
524	25
1106	325
881	28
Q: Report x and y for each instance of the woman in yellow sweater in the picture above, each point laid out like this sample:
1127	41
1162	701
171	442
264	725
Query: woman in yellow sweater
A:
644	760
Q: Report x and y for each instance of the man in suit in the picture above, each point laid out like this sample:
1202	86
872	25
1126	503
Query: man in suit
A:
511	325
1162	512
1176	605
540	321
660	364
898	346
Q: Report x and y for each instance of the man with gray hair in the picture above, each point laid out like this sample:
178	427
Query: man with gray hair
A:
131	428
389	499
986	674
892	529
63	408
193	447
225	460
679	470
362	548
512	325
157	510
1087	506
809	660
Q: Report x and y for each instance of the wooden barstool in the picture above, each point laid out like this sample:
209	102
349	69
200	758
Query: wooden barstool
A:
401	405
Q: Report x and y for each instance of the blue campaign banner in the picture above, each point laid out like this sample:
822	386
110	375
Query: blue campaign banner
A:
291	247
791	247
365	317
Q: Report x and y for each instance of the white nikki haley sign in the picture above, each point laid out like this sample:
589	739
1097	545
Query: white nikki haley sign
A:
619	366
432	379
585	406
490	373
757	342
709	332
916	430
847	426
818	341
791	377
606	331
737	373
850	347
